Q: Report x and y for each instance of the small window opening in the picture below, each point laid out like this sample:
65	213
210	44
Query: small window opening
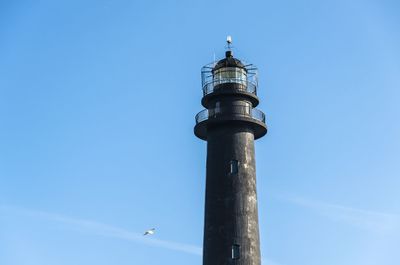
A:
235	251
233	167
218	107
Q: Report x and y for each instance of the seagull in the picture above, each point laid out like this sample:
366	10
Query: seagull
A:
149	232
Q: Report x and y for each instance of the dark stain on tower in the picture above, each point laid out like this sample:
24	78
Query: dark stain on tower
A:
230	124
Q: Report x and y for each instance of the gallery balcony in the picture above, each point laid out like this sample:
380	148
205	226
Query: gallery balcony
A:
235	115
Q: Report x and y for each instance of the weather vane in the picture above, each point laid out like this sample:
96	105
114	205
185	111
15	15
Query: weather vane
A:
229	41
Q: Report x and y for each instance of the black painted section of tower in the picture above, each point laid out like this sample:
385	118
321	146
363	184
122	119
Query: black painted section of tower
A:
231	204
231	233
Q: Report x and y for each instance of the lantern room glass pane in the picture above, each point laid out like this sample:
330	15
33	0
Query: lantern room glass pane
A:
230	75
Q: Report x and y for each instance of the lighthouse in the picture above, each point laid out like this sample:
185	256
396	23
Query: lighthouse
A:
229	124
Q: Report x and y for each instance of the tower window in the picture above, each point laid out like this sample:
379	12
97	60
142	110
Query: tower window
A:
233	167
235	251
217	107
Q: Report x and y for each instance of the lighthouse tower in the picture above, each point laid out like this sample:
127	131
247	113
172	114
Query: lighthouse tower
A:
230	123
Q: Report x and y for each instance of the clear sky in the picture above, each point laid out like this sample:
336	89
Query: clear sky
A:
97	106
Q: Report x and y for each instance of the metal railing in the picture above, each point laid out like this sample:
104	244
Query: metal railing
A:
245	111
248	86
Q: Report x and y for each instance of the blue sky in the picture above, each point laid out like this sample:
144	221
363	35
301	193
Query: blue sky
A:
97	106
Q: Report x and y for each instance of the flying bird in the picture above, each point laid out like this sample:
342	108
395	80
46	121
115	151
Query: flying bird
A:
149	232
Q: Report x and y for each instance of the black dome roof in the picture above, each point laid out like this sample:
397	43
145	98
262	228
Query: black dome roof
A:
229	61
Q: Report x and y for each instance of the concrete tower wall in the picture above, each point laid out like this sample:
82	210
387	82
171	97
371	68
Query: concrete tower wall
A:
231	233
